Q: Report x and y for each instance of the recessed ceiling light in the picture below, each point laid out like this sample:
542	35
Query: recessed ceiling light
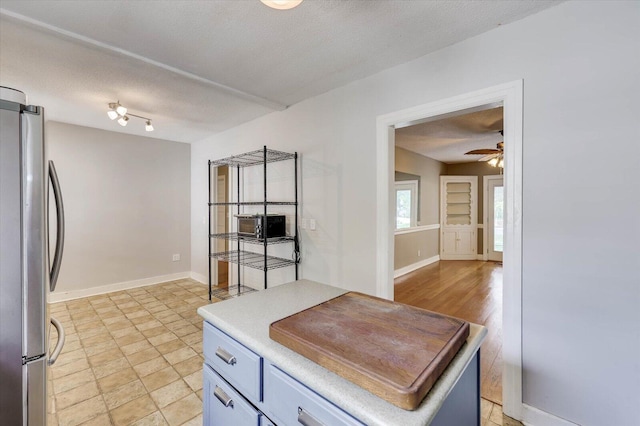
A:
282	4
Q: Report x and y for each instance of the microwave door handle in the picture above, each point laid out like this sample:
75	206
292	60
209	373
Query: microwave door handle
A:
57	194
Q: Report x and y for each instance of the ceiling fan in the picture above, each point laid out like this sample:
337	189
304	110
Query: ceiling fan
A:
494	156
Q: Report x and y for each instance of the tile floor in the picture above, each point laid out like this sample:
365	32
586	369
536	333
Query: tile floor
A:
131	358
134	357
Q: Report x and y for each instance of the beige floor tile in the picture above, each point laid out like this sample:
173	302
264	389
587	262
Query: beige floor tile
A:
93	350
133	411
131	337
508	421
81	412
179	355
142	356
187	329
52	419
135	347
194	380
101	420
151	366
105	357
155	331
124	332
163	338
119	325
154	419
197	347
200	393
171	346
118	379
196	421
149	324
124	394
158	308
169	318
170	393
115	319
182	410
96	339
76	395
110	367
140	312
70	357
70	368
192	338
485	408
72	381
160	378
496	414
90	331
189	366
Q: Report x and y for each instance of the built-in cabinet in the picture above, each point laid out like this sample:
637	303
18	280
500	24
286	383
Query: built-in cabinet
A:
458	217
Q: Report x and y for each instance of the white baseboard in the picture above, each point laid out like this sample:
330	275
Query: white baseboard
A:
410	268
61	296
534	417
199	277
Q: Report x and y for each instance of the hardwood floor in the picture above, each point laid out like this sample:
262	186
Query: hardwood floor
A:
467	289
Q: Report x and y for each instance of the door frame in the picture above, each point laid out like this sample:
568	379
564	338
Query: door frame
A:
485	214
510	96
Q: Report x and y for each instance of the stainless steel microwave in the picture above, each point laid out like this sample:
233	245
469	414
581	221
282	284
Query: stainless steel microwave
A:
254	225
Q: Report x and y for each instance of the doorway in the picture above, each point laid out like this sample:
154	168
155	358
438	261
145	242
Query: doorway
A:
510	96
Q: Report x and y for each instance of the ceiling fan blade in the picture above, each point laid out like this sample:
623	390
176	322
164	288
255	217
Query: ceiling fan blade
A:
483	152
489	157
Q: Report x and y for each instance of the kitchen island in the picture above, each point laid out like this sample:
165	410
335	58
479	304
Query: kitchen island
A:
247	374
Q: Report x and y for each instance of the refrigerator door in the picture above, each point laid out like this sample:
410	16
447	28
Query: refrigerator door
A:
34	392
34	234
10	265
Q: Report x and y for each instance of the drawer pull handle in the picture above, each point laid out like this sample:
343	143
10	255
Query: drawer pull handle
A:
223	397
225	356
306	419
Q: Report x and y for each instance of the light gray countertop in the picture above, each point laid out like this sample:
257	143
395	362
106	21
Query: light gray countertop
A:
247	319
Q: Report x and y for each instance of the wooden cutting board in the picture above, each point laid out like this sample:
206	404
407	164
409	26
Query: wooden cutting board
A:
394	351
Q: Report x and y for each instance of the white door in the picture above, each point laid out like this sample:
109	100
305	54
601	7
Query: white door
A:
495	214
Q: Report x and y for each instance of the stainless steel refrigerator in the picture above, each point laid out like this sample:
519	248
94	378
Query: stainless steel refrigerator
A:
26	272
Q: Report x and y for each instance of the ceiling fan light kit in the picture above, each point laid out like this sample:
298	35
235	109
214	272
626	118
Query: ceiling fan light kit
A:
122	114
494	157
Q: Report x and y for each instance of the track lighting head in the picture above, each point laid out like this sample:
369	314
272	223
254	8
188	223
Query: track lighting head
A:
116	110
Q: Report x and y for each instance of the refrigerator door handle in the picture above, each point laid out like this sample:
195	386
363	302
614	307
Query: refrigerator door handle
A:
61	336
57	257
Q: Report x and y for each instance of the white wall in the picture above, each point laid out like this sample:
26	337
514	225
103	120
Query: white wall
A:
581	298
126	200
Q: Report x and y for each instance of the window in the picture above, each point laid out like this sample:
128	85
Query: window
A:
406	204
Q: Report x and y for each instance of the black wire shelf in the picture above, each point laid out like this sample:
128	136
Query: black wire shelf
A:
255	203
252	260
233	236
253	158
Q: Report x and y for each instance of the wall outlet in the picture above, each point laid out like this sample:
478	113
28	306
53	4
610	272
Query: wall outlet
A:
303	223
176	257
312	224
418	253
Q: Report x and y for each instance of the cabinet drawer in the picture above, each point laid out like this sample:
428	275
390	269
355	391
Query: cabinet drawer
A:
289	402
241	367
222	405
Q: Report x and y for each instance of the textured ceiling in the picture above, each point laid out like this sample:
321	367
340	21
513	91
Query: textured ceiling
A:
199	67
448	139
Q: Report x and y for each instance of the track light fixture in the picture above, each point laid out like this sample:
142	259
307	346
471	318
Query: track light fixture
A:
121	113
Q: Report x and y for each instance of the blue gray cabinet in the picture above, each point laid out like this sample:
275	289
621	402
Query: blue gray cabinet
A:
248	379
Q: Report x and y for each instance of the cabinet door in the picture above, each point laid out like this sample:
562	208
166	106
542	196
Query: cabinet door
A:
449	244
222	405
466	243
